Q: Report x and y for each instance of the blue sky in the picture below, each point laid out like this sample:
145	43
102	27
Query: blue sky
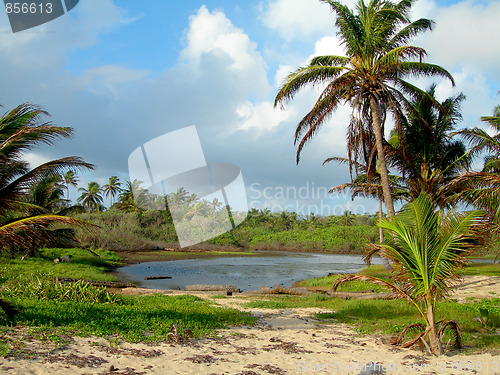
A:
123	72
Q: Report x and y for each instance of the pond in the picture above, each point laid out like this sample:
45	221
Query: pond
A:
248	273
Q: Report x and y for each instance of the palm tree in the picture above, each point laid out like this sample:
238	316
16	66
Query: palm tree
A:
481	188
426	248
347	218
425	152
47	193
112	188
133	198
178	197
24	225
371	75
91	197
22	129
215	204
70	179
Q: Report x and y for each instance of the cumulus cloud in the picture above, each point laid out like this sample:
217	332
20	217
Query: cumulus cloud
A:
261	116
297	18
466	36
213	34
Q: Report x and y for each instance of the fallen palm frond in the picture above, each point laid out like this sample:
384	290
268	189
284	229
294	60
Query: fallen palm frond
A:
31	232
455	329
398	340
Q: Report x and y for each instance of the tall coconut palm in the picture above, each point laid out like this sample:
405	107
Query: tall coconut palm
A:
91	197
371	75
70	178
112	188
426	249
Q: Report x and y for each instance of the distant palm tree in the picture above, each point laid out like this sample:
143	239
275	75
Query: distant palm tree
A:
347	218
47	193
427	248
91	197
178	197
133	198
371	77
112	188
215	204
70	179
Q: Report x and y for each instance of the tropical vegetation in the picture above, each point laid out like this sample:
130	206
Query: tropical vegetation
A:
427	248
371	77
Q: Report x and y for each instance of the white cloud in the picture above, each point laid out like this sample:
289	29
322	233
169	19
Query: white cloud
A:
35	159
294	19
261	116
466	34
329	45
476	89
46	45
213	32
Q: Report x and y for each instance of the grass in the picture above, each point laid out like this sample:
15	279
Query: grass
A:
355	286
83	265
134	319
389	317
486	269
55	310
82	309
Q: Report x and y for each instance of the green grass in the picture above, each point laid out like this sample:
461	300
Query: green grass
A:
134	319
389	317
355	286
487	269
83	265
82	309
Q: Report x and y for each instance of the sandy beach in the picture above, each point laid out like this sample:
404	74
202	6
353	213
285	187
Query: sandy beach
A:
284	341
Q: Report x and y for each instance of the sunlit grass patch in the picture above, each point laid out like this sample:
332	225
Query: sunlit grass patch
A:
486	269
356	286
134	319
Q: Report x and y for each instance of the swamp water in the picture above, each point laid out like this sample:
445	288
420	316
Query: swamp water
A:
248	273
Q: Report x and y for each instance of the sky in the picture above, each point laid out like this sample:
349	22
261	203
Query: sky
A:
123	72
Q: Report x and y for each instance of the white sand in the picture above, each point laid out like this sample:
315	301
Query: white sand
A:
286	341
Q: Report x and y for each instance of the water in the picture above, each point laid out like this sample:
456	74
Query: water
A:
248	273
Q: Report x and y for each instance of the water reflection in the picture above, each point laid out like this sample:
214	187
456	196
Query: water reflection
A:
248	273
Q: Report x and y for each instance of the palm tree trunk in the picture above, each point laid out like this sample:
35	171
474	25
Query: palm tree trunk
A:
380	216
435	343
384	175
